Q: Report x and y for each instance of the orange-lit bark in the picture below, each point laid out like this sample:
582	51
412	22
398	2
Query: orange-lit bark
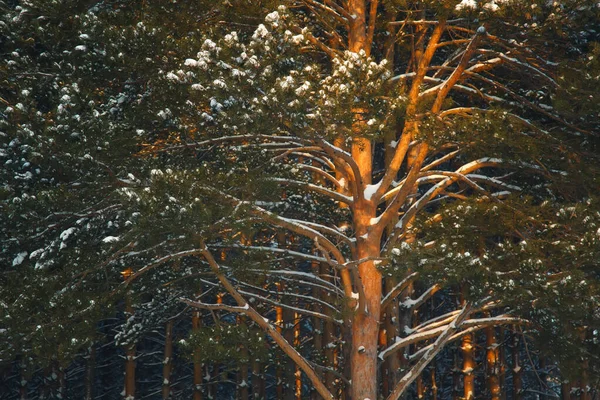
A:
297	371
279	371
492	364
434	386
289	379
468	367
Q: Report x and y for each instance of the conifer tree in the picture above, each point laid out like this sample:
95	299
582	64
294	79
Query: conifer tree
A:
421	146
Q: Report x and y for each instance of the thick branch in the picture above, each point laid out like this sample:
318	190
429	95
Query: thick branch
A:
267	327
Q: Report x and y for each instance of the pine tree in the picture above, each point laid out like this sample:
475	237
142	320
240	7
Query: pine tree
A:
421	147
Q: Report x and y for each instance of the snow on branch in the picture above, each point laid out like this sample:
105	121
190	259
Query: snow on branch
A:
263	323
430	354
314	188
396	290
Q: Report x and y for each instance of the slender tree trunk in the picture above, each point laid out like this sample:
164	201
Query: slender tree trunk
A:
385	375
328	336
502	367
24	380
456	375
468	367
517	369
317	325
196	325
167	360
434	386
61	389
565	390
258	383
279	369
289	376
492	364
90	373
129	361
243	382
544	379
297	372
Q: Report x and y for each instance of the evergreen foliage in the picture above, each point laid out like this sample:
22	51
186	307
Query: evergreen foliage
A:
129	140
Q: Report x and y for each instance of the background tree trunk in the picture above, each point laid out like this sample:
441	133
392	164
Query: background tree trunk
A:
196	325
167	360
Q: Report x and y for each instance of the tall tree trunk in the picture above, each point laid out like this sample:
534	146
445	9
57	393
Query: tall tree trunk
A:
565	390
61	384
243	382
328	335
456	375
258	383
196	325
517	369
24	380
289	376
434	386
365	324
297	372
365	327
167	360
317	324
502	367
385	373
280	367
129	361
468	367
492	364
90	373
544	379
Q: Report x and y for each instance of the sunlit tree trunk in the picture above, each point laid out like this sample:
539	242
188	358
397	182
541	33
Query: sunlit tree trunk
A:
297	372
492	364
468	370
434	386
